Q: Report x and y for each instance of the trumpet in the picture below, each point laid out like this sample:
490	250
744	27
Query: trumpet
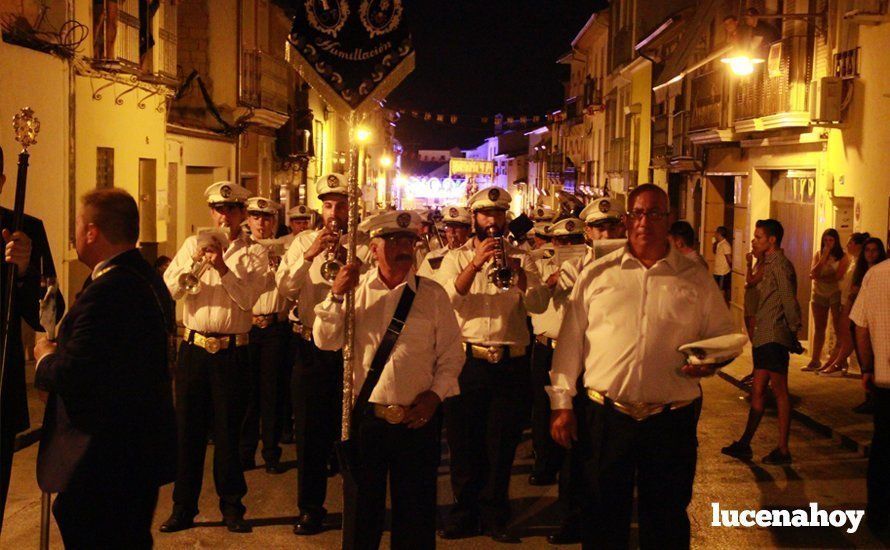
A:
191	280
500	274
332	263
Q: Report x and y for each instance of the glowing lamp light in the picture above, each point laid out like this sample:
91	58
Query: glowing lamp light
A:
385	161
362	134
742	64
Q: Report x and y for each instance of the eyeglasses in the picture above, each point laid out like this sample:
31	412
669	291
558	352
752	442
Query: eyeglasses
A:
654	215
400	239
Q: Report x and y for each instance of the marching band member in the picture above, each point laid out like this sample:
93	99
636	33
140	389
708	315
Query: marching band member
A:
602	221
270	360
402	375
318	376
213	369
457	222
567	236
541	235
299	219
492	286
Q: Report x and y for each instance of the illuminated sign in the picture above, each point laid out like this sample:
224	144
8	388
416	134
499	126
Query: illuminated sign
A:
470	167
433	188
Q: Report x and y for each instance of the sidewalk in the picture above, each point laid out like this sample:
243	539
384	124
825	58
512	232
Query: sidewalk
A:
822	403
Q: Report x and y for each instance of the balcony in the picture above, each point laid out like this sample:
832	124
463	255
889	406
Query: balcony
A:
617	155
116	34
265	81
707	101
167	40
574	111
621	48
661	144
775	95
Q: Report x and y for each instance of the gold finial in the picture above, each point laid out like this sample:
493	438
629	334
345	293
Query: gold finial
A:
26	127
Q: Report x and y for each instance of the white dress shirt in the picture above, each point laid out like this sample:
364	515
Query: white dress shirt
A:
549	322
428	354
871	310
301	281
623	325
487	315
271	300
426	269
224	305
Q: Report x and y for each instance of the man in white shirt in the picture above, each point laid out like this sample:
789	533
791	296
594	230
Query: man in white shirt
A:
627	316
871	313
213	370
318	378
270	359
568	239
397	429
484	423
723	261
457	222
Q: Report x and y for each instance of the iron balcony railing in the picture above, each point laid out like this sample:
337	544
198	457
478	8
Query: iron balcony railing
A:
265	81
707	96
778	86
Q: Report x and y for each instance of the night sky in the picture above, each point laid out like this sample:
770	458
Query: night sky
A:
483	57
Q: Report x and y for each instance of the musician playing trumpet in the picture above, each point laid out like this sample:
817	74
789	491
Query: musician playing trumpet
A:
213	372
318	376
270	360
492	285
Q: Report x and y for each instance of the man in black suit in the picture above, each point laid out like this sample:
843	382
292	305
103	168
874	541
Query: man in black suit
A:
109	435
27	251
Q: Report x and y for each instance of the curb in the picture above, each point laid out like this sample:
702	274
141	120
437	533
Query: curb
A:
808	420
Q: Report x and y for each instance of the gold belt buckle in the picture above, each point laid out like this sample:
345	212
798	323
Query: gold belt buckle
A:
495	353
394	414
212	344
638	411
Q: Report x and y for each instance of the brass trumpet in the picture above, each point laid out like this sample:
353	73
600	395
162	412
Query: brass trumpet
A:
191	280
332	263
500	274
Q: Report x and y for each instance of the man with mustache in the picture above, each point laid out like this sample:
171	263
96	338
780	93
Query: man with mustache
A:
213	369
484	423
402	375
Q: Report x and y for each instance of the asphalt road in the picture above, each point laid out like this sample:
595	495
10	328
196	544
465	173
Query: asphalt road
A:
822	472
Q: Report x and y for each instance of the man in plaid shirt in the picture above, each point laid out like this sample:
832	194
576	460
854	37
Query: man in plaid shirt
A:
775	335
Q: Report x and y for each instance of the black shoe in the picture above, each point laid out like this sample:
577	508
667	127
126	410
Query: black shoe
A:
179	520
866	407
540	480
569	533
738	450
461	530
309	524
237	524
500	533
776	457
275	467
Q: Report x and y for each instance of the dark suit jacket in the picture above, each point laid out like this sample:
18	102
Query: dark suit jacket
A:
14	413
109	418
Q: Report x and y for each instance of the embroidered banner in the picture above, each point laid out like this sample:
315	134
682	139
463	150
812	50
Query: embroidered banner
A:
353	52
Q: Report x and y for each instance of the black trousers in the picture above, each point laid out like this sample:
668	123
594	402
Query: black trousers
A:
269	375
211	393
483	428
571	473
409	460
878	477
113	517
657	455
7	444
549	456
318	404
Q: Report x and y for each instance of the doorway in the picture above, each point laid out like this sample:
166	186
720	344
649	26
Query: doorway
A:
792	203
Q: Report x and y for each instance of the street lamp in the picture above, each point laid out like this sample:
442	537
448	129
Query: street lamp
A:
741	63
385	161
362	134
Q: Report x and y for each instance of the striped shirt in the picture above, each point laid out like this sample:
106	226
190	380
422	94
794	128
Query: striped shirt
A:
778	312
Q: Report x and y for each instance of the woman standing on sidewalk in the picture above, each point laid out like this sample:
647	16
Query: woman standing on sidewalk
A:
872	254
829	267
837	363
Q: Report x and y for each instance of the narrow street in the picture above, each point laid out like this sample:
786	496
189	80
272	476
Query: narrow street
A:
822	472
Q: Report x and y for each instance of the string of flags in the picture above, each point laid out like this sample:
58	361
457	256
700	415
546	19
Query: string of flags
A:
463	119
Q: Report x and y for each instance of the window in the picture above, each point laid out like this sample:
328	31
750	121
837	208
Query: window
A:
104	167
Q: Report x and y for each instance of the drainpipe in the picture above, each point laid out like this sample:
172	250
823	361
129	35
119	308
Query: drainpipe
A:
239	82
72	156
